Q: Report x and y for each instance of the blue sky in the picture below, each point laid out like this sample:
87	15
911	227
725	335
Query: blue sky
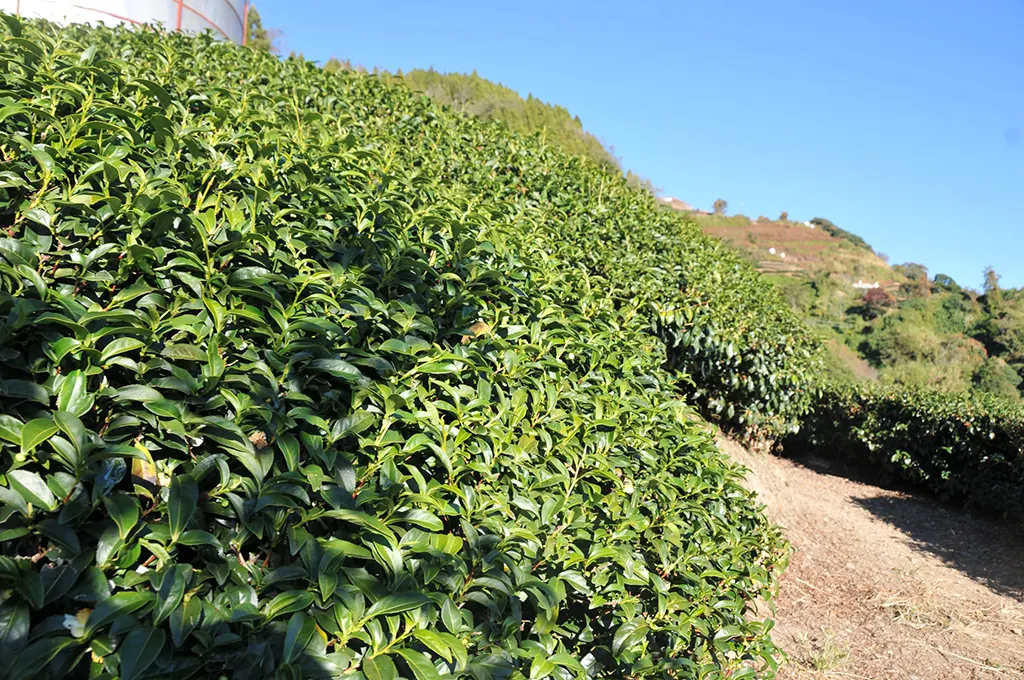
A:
899	121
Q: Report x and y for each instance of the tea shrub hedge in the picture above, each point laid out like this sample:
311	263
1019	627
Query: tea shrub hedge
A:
964	448
305	377
748	362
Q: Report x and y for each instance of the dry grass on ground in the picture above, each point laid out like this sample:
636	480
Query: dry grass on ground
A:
883	585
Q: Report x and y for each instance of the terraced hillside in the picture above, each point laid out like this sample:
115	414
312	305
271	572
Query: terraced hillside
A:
305	376
802	250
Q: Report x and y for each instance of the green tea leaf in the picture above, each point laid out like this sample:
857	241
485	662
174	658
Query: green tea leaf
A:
182	500
32	487
37	655
379	668
114	606
288	602
73	395
124	510
172	591
37	431
395	604
420	665
627	635
198	537
300	632
338	368
139	650
23	389
14	627
120	346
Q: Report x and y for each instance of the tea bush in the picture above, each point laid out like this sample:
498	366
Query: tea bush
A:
746	359
305	377
964	448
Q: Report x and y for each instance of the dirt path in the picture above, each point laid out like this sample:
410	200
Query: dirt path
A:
887	586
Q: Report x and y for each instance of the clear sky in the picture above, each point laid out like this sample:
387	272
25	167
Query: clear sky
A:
899	121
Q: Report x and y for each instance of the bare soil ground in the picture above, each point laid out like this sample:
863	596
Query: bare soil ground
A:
884	585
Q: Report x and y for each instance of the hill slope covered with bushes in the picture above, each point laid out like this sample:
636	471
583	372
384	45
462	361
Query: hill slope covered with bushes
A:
470	93
307	376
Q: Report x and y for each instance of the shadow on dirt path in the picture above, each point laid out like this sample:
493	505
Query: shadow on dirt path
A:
985	551
886	586
988	551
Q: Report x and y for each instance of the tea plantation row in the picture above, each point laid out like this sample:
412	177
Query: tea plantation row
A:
963	448
305	377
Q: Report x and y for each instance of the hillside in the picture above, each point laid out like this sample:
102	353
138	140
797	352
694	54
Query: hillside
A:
803	250
478	96
918	366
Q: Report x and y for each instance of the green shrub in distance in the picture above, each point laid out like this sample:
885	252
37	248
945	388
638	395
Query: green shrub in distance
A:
303	377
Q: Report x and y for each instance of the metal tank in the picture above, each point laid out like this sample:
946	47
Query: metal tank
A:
226	18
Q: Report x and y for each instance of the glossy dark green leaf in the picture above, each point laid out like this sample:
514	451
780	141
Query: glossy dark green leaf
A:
338	368
34	658
288	602
184	619
181	503
172	589
422	518
57	581
23	389
62	535
184	352
434	642
138	393
300	631
11	429
541	667
198	537
75	430
14	627
37	431
124	510
362	519
73	395
627	635
30	585
120	346
108	544
451	616
164	408
139	650
395	604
